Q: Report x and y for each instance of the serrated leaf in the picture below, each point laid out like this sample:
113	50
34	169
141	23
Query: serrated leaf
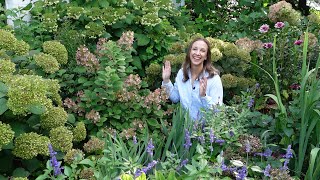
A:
37	109
3	105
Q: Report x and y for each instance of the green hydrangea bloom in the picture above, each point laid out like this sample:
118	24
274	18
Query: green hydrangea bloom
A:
6	134
7	68
244	55
54	117
25	91
216	43
72	155
21	48
230	50
29	145
4	55
229	81
87	173
314	17
216	55
57	50
75	12
47	62
53	91
94	145
245	82
153	69
79	132
7	40
292	16
61	138
94	30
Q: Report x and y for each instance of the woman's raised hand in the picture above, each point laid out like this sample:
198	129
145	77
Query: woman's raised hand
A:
166	72
203	86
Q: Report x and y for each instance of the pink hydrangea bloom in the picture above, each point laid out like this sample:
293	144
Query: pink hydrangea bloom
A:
298	42
264	28
267	45
279	25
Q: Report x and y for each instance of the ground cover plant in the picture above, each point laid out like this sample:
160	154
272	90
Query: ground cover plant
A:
80	94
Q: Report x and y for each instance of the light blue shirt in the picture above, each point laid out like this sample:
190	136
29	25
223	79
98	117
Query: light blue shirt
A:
189	95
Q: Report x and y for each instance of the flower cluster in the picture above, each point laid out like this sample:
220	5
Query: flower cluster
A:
79	132
150	148
240	173
86	58
72	155
314	18
57	50
50	21
283	11
312	39
50	2
248	45
21	48
187	140
25	91
128	133
61	138
145	169
93	116
70	104
287	157
6	134
250	144
156	98
7	40
126	40
55	164
94	145
150	19
29	145
111	15
75	12
216	54
7	68
54	117
94	30
87	173
229	81
47	62
100	46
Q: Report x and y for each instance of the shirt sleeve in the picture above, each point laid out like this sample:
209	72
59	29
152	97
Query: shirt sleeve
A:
214	95
172	90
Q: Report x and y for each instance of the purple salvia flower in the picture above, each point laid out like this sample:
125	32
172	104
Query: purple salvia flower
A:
267	45
187	140
298	42
201	139
279	25
247	146
54	162
220	141
267	153
242	173
285	165
264	28
150	147
266	171
212	137
250	103
224	167
137	173
183	163
231	133
288	153
257	85
135	140
151	165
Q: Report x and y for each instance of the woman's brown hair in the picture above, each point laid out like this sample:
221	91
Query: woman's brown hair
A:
207	65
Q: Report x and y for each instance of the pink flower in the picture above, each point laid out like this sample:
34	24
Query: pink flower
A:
267	45
264	28
298	42
279	25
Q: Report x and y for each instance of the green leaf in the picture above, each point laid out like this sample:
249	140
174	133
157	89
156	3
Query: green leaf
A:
3	88
67	170
172	176
2	94
142	177
20	172
71	118
256	169
153	122
37	109
3	105
104	4
137	62
142	39
82	80
237	163
200	149
87	162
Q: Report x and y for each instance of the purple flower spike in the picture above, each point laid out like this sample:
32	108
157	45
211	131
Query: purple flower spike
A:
279	25
298	42
54	162
267	45
220	141
212	137
135	140
251	102
267	171
264	28
187	140
150	147
242	173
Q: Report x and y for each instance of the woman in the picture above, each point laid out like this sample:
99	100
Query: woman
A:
198	84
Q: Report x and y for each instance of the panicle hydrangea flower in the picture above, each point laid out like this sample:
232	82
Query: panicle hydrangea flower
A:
87	173
85	58
230	50
279	25
150	148
72	155
229	81
50	21
75	12
6	134
79	132
126	40
283	11
155	98
128	133
7	40
216	54
55	164
93	116
94	145
94	30
244	55
187	140
57	50
150	19
264	28
246	44
61	138
312	39
29	145
267	45
298	42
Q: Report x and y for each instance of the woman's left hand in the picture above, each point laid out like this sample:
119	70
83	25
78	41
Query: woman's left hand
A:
203	86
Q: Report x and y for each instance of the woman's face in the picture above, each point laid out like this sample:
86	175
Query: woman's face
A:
198	52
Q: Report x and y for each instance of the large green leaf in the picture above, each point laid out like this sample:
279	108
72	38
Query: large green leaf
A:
20	172
142	39
37	109
3	88
3	105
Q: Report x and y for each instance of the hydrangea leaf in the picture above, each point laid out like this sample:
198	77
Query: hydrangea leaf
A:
142	39
3	106
37	109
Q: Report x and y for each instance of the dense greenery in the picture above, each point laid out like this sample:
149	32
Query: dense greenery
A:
80	88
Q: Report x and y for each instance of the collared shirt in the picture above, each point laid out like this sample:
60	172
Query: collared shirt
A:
189	95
